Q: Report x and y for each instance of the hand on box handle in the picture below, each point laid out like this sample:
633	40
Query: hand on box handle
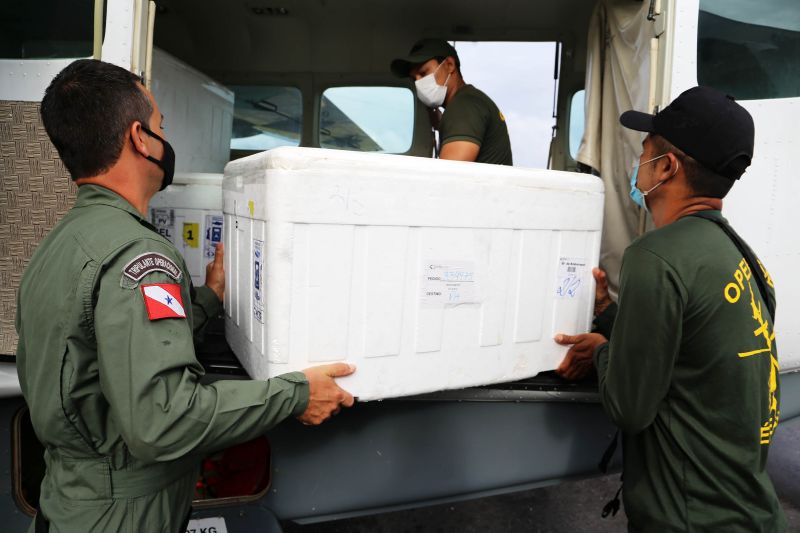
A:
577	364
326	398
215	273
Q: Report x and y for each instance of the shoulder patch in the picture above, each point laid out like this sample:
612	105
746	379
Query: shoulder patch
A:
142	265
163	300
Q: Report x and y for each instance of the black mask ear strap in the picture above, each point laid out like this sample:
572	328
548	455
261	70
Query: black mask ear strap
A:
156	161
154	135
151	133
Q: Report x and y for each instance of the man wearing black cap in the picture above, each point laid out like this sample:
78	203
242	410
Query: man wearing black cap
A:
690	374
472	127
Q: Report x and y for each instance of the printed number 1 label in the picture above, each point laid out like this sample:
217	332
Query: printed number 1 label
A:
190	231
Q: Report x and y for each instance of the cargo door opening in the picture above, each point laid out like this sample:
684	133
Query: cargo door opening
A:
521	79
283	65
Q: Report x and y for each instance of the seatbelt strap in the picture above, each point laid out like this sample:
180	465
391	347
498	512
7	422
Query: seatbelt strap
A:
749	257
612	507
608	454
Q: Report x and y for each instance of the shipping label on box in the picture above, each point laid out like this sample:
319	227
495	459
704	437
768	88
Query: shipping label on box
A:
164	221
213	235
571	277
258	281
449	283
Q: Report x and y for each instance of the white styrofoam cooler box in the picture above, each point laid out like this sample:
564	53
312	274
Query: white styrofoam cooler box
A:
426	274
189	214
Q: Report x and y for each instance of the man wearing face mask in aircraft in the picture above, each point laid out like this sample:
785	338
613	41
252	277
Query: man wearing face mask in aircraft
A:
472	128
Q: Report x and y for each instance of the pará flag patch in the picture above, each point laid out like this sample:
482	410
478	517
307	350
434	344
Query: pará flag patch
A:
163	300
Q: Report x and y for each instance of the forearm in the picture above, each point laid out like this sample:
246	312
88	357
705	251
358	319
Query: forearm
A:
619	399
231	412
199	419
635	367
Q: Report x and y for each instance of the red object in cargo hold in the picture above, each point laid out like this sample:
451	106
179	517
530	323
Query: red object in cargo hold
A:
241	470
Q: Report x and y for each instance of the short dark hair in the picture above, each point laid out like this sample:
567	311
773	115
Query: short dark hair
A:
702	180
87	110
441	59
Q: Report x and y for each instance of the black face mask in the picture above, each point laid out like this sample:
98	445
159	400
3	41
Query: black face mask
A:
167	162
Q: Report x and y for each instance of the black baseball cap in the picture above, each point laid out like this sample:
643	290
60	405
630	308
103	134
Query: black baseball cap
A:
707	125
422	51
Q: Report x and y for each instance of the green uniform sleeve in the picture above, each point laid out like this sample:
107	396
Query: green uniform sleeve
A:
151	378
466	120
205	306
635	368
604	322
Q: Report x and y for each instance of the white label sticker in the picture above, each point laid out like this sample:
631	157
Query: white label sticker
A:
207	525
213	235
258	280
164	221
449	283
571	277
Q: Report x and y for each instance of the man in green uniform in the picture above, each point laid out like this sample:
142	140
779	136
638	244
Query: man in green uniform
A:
472	128
106	318
690	374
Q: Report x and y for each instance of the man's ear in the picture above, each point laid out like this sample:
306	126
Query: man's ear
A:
137	136
450	64
668	167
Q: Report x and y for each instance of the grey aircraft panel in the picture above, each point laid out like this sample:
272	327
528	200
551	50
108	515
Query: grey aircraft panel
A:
412	452
403	453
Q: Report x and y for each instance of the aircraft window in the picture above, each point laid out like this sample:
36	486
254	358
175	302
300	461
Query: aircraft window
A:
576	122
47	29
266	117
368	119
750	50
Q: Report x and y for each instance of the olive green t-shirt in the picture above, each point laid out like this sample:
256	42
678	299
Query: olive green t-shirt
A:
472	116
690	376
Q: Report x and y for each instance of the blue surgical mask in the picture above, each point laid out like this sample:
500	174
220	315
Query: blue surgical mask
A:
637	195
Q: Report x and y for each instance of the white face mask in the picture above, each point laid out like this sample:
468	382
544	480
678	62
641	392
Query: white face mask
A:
429	92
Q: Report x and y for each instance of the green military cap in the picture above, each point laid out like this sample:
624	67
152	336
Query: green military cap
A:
422	51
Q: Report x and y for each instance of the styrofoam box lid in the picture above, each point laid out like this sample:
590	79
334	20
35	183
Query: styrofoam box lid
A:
381	189
191	190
